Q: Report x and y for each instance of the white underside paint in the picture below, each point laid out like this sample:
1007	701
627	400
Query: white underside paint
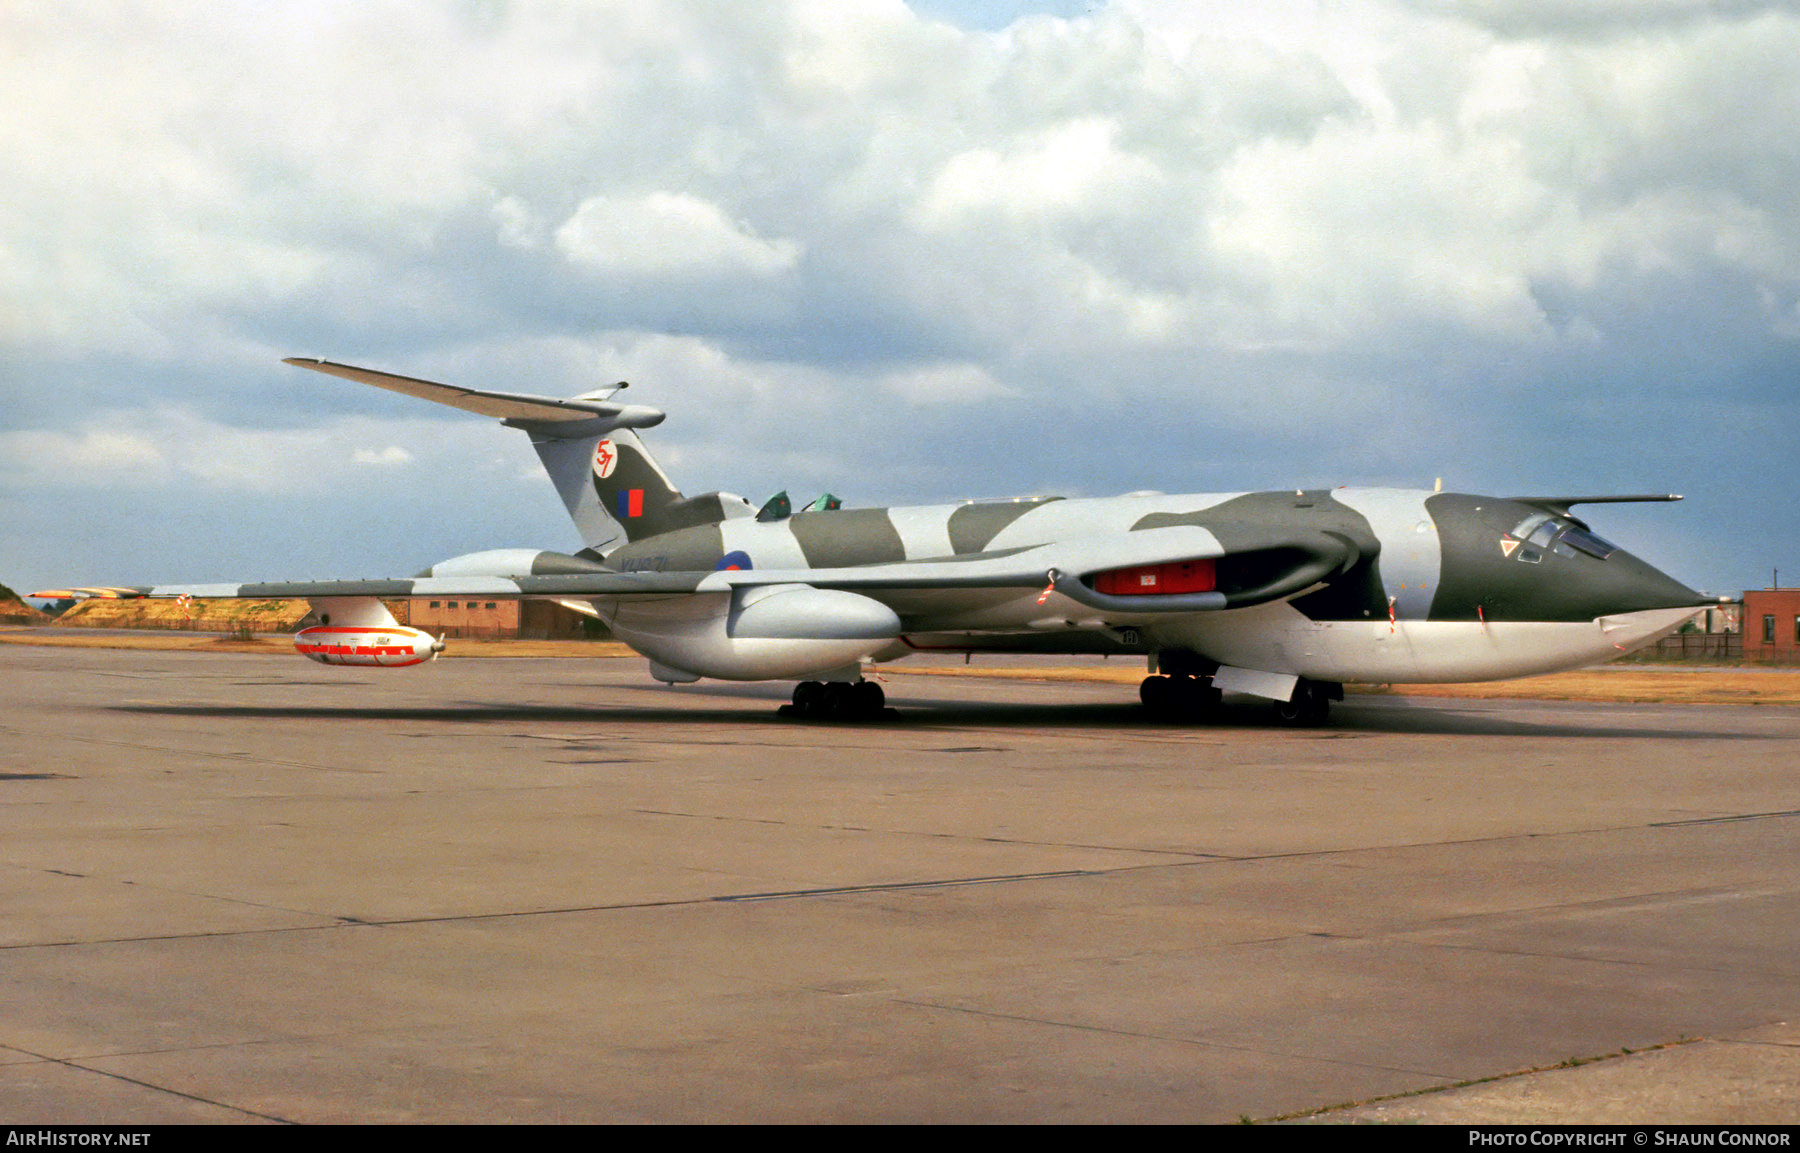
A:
1276	638
692	634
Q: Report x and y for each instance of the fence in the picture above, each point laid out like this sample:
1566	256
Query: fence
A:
1724	648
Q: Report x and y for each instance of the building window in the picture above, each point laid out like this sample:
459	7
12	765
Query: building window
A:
1797	630
434	604
1768	628
490	604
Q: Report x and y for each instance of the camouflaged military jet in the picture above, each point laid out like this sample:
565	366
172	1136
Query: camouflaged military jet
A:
1284	595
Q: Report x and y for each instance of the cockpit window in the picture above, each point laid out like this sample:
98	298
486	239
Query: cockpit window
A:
1526	527
1560	536
1587	542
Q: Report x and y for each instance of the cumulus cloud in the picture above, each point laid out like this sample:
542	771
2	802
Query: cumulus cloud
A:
32	458
1330	231
946	384
390	457
1593	17
1067	170
668	234
176	451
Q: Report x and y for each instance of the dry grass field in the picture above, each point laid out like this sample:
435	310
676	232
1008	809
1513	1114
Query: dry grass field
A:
200	615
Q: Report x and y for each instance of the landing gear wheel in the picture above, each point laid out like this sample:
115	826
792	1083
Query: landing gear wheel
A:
1310	705
1197	697
1179	697
809	699
836	701
840	700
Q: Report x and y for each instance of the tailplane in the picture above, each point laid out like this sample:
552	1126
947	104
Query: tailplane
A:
614	490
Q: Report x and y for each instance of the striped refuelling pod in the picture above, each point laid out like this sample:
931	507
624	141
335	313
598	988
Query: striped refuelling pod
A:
388	648
360	631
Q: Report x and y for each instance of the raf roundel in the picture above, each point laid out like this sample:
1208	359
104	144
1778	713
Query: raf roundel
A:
606	458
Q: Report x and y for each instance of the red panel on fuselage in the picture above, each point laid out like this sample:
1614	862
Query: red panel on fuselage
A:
1188	576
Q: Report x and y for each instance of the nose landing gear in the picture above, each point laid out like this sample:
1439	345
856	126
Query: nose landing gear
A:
1310	704
1193	697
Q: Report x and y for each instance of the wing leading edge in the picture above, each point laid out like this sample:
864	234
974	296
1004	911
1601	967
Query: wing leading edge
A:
1300	561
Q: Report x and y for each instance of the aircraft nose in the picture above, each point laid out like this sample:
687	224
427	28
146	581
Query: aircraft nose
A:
1622	583
1513	561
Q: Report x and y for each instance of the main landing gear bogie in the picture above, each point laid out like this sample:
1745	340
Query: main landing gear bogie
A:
837	701
1179	697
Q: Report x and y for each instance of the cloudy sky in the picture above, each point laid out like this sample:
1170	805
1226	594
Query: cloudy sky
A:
901	252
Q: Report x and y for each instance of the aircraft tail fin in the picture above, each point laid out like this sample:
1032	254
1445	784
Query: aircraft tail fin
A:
614	490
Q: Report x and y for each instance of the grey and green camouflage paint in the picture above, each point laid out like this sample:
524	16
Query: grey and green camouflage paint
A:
1305	580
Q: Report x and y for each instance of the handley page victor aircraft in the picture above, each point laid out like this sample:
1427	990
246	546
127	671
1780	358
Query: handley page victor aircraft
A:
1284	595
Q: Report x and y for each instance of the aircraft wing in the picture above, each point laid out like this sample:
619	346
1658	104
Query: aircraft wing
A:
1280	564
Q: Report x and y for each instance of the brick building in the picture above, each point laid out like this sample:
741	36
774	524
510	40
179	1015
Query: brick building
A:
1772	625
480	617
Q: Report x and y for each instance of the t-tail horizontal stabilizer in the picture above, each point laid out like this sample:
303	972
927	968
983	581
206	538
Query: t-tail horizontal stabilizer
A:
539	414
608	481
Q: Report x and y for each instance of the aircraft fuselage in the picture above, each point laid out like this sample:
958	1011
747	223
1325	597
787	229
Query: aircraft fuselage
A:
1284	594
1438	587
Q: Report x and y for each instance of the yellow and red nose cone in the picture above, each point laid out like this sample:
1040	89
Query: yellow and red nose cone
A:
393	647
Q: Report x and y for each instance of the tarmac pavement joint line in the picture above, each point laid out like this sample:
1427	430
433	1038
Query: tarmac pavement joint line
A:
78	1067
1191	855
1194	1042
344	920
1724	819
1324	1111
